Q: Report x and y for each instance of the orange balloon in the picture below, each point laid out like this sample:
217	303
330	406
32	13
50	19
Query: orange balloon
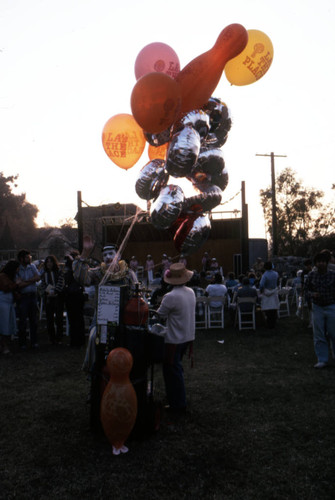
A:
157	152
123	140
155	102
118	409
200	77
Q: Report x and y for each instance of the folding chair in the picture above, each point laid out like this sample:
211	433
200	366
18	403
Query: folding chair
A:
246	319
284	307
201	320
215	315
296	294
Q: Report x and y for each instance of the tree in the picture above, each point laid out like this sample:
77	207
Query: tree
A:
301	214
17	212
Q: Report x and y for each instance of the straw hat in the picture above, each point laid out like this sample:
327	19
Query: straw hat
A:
177	274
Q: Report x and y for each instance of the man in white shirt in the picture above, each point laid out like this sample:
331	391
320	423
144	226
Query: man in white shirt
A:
178	307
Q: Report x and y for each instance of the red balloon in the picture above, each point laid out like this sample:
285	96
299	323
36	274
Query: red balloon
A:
158	57
201	76
155	102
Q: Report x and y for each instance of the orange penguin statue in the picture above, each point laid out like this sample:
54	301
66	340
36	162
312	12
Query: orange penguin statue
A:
119	401
201	76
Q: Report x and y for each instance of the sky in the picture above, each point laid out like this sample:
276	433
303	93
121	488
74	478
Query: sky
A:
66	67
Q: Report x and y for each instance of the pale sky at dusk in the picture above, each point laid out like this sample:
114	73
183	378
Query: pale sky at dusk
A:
66	67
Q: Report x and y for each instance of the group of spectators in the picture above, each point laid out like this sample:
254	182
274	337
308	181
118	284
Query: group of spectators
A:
315	286
26	288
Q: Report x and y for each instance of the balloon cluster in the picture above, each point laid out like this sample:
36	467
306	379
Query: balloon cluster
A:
185	127
193	152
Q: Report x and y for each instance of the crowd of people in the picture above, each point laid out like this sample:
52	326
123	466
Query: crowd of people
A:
27	288
56	287
313	286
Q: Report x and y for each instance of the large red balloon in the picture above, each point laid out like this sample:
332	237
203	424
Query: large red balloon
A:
155	102
123	140
158	57
201	76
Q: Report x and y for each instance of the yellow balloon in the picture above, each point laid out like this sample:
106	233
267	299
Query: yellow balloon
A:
253	62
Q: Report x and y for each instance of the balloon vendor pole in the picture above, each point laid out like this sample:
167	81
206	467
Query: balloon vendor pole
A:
118	254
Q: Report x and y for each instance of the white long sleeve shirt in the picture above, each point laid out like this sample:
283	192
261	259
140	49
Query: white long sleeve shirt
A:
178	307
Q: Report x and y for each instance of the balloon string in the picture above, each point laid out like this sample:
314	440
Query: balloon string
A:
114	264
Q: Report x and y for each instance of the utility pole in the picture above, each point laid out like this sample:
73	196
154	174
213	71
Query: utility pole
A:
80	221
274	207
244	231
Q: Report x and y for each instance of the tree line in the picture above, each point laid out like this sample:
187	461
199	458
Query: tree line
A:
18	216
305	222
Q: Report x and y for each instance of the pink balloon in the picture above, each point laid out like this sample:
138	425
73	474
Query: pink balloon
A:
158	57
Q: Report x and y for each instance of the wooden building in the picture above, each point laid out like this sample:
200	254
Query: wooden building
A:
228	239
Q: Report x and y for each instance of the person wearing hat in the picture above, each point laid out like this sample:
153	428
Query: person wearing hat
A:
110	271
178	307
149	268
214	265
133	264
165	263
88	276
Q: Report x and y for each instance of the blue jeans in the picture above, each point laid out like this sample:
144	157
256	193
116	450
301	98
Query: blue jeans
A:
173	373
27	308
323	322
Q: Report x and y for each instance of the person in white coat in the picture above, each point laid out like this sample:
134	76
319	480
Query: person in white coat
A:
178	307
269	294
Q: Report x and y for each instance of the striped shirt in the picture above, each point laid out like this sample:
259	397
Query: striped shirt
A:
323	285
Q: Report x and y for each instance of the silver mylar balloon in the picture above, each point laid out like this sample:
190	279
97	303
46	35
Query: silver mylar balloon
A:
198	119
210	169
211	161
167	207
158	139
183	152
217	138
192	234
151	179
203	202
220	122
221	180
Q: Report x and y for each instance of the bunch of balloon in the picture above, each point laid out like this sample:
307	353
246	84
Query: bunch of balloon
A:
158	99
253	62
193	152
123	140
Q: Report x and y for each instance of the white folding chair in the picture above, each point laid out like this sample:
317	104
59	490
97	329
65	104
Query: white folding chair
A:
284	306
296	294
215	315
201	320
246	319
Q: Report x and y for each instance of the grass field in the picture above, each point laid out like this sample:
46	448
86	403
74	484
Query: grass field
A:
260	425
